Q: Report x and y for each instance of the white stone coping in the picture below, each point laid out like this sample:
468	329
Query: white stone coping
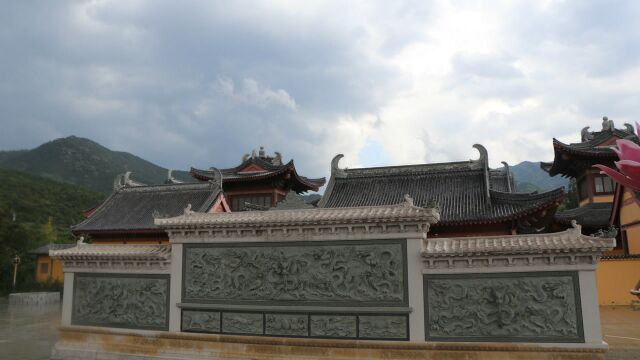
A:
124	252
398	214
568	241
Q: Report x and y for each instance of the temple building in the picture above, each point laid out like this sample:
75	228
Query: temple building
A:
474	199
127	215
605	207
260	180
48	269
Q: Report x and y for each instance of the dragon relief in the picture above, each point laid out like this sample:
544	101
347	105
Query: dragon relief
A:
129	302
518	307
337	273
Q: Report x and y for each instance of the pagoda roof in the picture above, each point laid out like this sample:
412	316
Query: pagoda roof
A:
256	169
593	215
467	192
572	159
133	208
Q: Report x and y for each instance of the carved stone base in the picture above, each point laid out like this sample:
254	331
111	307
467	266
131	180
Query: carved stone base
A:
77	343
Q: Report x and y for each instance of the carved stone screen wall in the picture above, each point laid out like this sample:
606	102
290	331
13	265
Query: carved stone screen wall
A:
300	273
327	289
134	301
522	307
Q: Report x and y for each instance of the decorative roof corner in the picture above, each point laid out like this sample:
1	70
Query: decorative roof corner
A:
124	180
484	160
509	178
335	168
171	180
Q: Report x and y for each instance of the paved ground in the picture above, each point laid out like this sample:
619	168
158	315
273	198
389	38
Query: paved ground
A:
29	334
621	329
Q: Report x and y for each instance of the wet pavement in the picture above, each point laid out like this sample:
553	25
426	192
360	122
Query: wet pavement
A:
29	332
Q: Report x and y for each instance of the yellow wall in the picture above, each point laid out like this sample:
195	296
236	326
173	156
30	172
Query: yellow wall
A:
602	198
54	269
615	278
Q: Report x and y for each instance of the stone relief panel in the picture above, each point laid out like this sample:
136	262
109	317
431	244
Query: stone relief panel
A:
338	326
126	301
200	321
530	307
383	327
242	323
287	324
338	273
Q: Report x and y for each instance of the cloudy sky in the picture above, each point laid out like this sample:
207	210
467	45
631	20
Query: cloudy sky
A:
388	82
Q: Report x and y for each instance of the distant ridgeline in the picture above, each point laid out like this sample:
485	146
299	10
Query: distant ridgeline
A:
88	164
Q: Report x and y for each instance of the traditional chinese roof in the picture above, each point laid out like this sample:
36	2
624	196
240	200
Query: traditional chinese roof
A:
114	252
258	168
292	201
405	211
573	159
467	192
593	215
570	240
133	208
44	250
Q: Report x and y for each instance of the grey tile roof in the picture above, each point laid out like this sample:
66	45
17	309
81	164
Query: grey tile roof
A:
134	208
594	215
44	250
458	188
115	252
399	212
570	240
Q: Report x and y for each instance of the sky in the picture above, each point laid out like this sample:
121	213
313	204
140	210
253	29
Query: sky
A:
200	83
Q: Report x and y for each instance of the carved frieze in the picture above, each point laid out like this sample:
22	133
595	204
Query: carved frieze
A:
242	323
297	273
200	321
287	324
338	326
119	300
383	327
528	307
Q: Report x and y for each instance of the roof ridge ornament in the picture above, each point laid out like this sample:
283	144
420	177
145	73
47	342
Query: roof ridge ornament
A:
188	211
408	201
335	168
508	172
218	176
124	180
585	134
607	125
171	179
277	160
484	160
629	128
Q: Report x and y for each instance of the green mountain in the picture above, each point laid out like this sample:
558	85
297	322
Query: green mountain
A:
83	162
530	177
32	200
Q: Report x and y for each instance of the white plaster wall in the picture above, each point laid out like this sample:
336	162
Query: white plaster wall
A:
414	283
590	309
67	298
175	293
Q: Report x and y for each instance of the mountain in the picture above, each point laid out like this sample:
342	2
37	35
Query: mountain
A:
90	165
530	177
32	200
85	163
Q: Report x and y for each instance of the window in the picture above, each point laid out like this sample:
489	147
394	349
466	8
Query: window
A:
238	202
44	268
603	184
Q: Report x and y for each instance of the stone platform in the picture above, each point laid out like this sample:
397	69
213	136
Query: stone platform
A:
88	342
34	298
